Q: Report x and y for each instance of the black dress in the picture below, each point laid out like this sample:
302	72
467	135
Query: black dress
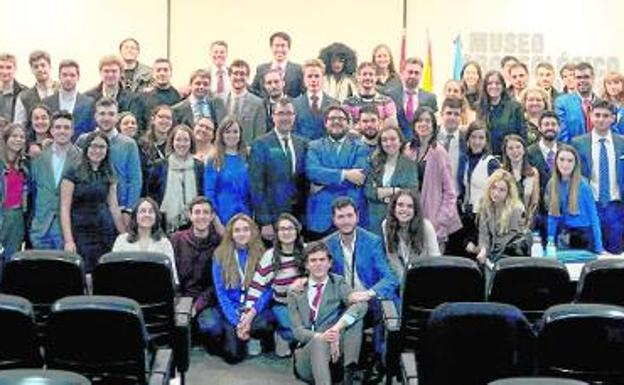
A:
93	226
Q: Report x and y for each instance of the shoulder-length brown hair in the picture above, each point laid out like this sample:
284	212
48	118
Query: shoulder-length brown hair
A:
219	154
4	153
225	253
133	227
527	170
415	230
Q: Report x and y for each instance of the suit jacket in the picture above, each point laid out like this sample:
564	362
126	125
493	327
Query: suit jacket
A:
17	89
83	112
569	108
274	188
46	193
583	145
405	176
251	117
371	263
334	303
425	99
306	123
293	79
183	112
324	166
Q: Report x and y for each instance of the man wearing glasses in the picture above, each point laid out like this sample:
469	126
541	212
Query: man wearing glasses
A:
276	170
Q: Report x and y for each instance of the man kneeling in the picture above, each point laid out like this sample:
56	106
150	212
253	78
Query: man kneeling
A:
324	322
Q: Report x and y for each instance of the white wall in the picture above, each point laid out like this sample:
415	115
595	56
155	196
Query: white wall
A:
86	30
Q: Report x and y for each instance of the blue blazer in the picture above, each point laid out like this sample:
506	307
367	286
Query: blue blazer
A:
306	124
293	79
583	146
83	112
371	263
425	99
324	171
274	188
569	108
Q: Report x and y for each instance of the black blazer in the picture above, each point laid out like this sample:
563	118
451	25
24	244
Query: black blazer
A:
293	79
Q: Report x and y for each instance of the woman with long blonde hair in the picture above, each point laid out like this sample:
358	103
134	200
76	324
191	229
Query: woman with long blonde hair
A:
501	216
613	92
233	267
572	215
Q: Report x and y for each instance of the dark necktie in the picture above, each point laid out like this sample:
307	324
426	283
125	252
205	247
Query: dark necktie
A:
447	142
315	108
288	153
604	195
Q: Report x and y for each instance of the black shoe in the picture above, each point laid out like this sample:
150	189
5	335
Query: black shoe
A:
374	374
350	373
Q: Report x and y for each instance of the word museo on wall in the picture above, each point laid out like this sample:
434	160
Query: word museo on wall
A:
489	47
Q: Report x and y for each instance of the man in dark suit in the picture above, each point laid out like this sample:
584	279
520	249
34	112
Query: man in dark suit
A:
247	107
40	66
602	163
273	91
199	103
46	173
408	97
545	78
450	136
312	104
69	99
277	171
326	322
291	72
541	155
110	67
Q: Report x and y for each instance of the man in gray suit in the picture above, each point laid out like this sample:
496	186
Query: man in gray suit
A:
46	172
69	99
247	107
325	323
200	103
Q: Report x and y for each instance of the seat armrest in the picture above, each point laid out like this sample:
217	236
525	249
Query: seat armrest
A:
181	342
390	316
184	305
161	366
408	367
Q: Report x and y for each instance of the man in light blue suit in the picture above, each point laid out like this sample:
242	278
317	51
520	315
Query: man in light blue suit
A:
360	258
408	97
574	109
47	171
336	165
602	163
310	106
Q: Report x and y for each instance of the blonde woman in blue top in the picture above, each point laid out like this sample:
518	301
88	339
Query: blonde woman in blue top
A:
572	215
226	176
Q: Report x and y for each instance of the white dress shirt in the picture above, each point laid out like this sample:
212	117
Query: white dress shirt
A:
595	177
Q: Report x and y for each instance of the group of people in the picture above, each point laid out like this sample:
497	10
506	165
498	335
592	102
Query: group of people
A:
257	190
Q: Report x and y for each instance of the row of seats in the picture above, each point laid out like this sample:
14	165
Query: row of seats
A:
44	277
104	338
474	343
530	284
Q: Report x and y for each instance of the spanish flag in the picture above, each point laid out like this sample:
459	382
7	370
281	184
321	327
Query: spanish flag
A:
427	84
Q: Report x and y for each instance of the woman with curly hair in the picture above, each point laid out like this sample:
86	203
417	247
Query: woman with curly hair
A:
340	63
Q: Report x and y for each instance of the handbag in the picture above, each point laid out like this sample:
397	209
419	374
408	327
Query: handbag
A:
519	245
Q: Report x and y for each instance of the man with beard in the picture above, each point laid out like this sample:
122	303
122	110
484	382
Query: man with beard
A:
574	109
273	91
336	165
360	258
368	96
409	96
276	171
310	105
542	156
368	126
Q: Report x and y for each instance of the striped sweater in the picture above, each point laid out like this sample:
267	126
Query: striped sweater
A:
265	277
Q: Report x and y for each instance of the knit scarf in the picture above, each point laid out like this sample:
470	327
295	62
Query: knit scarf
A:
180	189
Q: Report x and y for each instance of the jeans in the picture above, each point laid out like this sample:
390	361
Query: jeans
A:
282	318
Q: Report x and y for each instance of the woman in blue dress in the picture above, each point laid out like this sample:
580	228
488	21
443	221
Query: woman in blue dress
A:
226	176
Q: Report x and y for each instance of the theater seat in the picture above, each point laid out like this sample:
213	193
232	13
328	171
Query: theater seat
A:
602	281
19	346
582	341
41	377
104	338
148	279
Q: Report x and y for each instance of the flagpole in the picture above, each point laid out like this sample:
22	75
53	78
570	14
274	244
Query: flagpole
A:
403	38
